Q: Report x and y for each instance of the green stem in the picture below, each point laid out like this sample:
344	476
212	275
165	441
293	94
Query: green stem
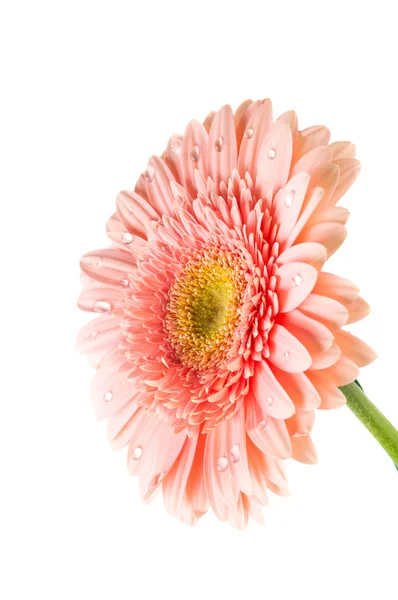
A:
370	416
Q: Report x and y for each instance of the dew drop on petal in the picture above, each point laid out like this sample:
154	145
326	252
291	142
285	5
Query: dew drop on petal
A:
286	356
136	453
102	307
271	153
149	173
289	199
235	453
195	153
262	424
108	396
222	464
96	262
124	283
249	133
154	483
297	279
218	144
176	146
127	238
270	400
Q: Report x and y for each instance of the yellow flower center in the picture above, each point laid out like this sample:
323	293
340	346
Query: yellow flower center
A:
204	309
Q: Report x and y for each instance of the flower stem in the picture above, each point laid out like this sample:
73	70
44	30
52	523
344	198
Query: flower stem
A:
370	416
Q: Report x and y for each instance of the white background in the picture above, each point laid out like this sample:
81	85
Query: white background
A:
89	91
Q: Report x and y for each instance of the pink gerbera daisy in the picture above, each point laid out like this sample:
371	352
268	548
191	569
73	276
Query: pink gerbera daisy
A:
220	333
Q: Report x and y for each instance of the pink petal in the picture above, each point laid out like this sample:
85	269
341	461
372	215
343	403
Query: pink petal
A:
274	160
110	390
342	150
318	157
338	288
135	213
269	393
301	423
194	154
295	282
111	267
303	450
259	125
286	352
357	310
355	349
330	394
308	252
330	312
299	388
349	171
327	358
330	235
98	336
312	334
158	186
343	372
242	118
174	485
289	118
268	434
222	148
287	204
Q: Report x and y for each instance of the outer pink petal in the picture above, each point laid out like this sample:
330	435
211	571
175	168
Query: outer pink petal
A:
222	149
355	349
286	352
303	450
330	312
158	186
335	287
357	310
308	252
111	267
299	388
268	434
274	160
269	393
295	282
287	204
259	125
194	154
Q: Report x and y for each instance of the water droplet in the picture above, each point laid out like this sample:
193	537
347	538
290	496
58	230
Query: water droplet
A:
127	238
93	336
262	424
176	145
137	453
124	283
289	199
195	154
297	279
108	396
96	262
271	153
286	356
102	307
235	453
149	173
218	144
249	132
222	464
154	483
270	400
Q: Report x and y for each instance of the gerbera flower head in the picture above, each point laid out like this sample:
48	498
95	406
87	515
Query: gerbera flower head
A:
220	333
